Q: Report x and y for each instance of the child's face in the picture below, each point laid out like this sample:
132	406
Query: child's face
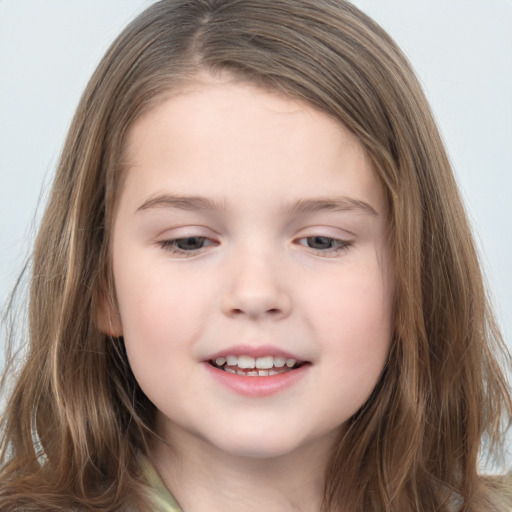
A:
251	225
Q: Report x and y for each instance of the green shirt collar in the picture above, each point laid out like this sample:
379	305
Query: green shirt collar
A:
162	498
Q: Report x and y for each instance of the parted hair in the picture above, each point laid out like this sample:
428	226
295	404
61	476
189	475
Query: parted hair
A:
76	421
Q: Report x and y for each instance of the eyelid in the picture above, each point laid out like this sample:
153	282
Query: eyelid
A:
339	241
185	231
170	245
170	239
167	240
343	242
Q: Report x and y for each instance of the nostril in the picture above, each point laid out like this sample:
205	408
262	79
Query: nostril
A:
255	305
253	312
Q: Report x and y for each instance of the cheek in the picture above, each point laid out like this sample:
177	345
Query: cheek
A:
160	319
155	301
353	320
157	334
358	298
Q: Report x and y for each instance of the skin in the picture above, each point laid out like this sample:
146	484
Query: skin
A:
254	275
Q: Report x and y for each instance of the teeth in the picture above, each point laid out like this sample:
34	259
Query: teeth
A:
232	360
246	362
258	373
265	363
279	362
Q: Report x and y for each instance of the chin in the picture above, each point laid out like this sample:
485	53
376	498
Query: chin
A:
261	445
259	450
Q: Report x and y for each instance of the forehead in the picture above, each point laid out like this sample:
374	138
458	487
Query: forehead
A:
212	101
209	134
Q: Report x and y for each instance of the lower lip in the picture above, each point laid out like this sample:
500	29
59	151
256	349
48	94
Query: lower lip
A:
257	386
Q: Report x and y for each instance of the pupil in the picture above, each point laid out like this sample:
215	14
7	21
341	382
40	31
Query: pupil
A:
190	243
320	242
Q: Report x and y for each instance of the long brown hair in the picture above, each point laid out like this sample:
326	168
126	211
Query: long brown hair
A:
76	419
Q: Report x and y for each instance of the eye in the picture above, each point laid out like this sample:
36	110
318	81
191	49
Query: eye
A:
320	242
189	244
324	244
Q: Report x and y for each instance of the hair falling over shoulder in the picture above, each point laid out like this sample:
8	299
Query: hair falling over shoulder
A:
76	421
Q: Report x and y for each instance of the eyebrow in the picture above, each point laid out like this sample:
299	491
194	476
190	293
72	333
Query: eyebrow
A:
187	203
335	204
194	203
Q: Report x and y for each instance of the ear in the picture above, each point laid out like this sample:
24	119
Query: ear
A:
108	319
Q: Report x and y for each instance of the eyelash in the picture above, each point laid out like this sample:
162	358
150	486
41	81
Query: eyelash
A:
172	245
336	246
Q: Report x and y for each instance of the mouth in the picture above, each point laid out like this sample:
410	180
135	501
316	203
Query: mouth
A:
248	366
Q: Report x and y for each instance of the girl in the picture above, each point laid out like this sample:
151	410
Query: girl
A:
254	286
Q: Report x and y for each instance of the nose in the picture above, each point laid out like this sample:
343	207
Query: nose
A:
256	289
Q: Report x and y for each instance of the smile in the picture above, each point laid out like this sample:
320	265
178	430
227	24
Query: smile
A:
248	366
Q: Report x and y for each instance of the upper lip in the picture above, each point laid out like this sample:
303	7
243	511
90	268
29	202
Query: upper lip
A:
254	351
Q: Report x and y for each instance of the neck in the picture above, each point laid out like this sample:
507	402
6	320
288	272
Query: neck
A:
203	478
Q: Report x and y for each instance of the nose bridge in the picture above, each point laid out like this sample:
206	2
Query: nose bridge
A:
256	286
